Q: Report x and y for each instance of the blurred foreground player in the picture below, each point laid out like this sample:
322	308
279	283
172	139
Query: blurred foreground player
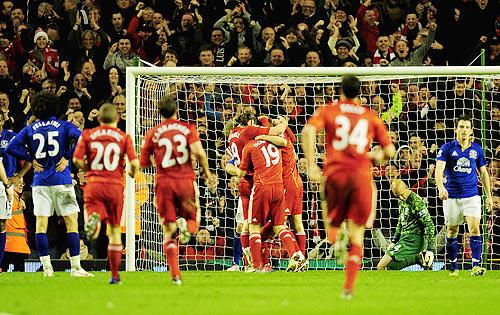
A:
48	143
101	153
171	143
350	130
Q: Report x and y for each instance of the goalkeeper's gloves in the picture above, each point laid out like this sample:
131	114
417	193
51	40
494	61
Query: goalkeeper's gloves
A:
428	259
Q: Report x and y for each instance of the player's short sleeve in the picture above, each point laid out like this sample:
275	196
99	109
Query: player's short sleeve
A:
245	159
318	119
442	154
129	148
193	135
147	149
81	146
481	159
381	132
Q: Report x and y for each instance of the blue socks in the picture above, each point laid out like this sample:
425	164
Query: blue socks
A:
476	247
3	239
73	244
237	250
452	250
42	244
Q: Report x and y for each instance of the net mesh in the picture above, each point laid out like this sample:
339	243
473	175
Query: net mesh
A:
419	111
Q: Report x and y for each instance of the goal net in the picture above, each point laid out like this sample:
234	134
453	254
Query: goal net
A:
419	106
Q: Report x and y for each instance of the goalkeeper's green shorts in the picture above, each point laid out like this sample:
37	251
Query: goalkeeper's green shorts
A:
408	245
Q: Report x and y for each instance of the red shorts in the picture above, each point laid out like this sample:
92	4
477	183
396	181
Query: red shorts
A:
106	199
245	189
177	197
348	196
294	193
267	203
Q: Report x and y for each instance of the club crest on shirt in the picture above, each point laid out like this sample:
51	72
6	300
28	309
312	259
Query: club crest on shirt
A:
4	143
473	154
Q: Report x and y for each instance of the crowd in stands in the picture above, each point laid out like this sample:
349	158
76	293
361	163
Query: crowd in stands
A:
79	49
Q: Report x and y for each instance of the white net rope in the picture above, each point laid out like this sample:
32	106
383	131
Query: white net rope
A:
419	111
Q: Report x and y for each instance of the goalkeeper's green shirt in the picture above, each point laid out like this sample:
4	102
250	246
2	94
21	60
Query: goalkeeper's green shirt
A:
414	218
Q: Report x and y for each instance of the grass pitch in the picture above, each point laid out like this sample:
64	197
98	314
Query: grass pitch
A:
313	292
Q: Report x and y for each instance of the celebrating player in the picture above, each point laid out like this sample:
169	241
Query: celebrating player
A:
48	144
171	143
414	233
105	148
267	199
459	161
350	129
239	136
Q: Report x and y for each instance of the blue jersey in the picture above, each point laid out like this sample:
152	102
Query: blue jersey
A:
46	142
9	161
460	172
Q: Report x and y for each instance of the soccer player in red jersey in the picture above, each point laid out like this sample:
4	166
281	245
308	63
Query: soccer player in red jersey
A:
101	152
246	131
350	130
171	143
267	198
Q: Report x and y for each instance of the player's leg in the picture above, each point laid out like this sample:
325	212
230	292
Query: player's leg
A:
237	246
356	236
73	242
42	245
171	251
3	239
245	191
406	252
255	243
94	197
300	234
472	213
453	217
114	251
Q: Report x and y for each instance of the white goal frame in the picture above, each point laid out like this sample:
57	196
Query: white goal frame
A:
131	95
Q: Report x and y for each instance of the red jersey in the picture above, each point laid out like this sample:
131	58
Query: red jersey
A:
350	130
105	148
169	142
289	159
264	159
232	144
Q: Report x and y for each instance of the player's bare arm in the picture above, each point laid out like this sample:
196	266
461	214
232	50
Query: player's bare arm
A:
198	151
440	166
134	168
309	147
485	180
276	140
80	163
279	127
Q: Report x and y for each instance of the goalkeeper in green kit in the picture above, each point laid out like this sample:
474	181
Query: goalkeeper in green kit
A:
412	243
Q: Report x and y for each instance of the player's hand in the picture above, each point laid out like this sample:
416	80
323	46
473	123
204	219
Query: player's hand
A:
428	259
61	165
443	193
37	167
489	204
314	174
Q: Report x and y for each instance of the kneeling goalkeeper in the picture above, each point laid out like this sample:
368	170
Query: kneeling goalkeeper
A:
414	233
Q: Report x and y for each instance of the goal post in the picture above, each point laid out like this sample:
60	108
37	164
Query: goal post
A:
428	98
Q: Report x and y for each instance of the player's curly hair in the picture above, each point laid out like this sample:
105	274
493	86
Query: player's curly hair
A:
45	105
245	117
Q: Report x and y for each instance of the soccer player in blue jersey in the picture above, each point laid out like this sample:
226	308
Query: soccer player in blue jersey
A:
459	161
48	143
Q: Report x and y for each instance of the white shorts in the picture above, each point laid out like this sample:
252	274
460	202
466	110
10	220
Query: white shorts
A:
239	212
60	198
5	204
455	209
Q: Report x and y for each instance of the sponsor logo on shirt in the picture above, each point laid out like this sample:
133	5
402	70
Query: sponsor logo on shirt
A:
463	166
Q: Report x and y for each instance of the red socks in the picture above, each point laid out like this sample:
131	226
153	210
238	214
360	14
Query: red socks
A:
288	242
301	241
332	234
255	249
244	240
352	266
172	254
115	258
265	253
